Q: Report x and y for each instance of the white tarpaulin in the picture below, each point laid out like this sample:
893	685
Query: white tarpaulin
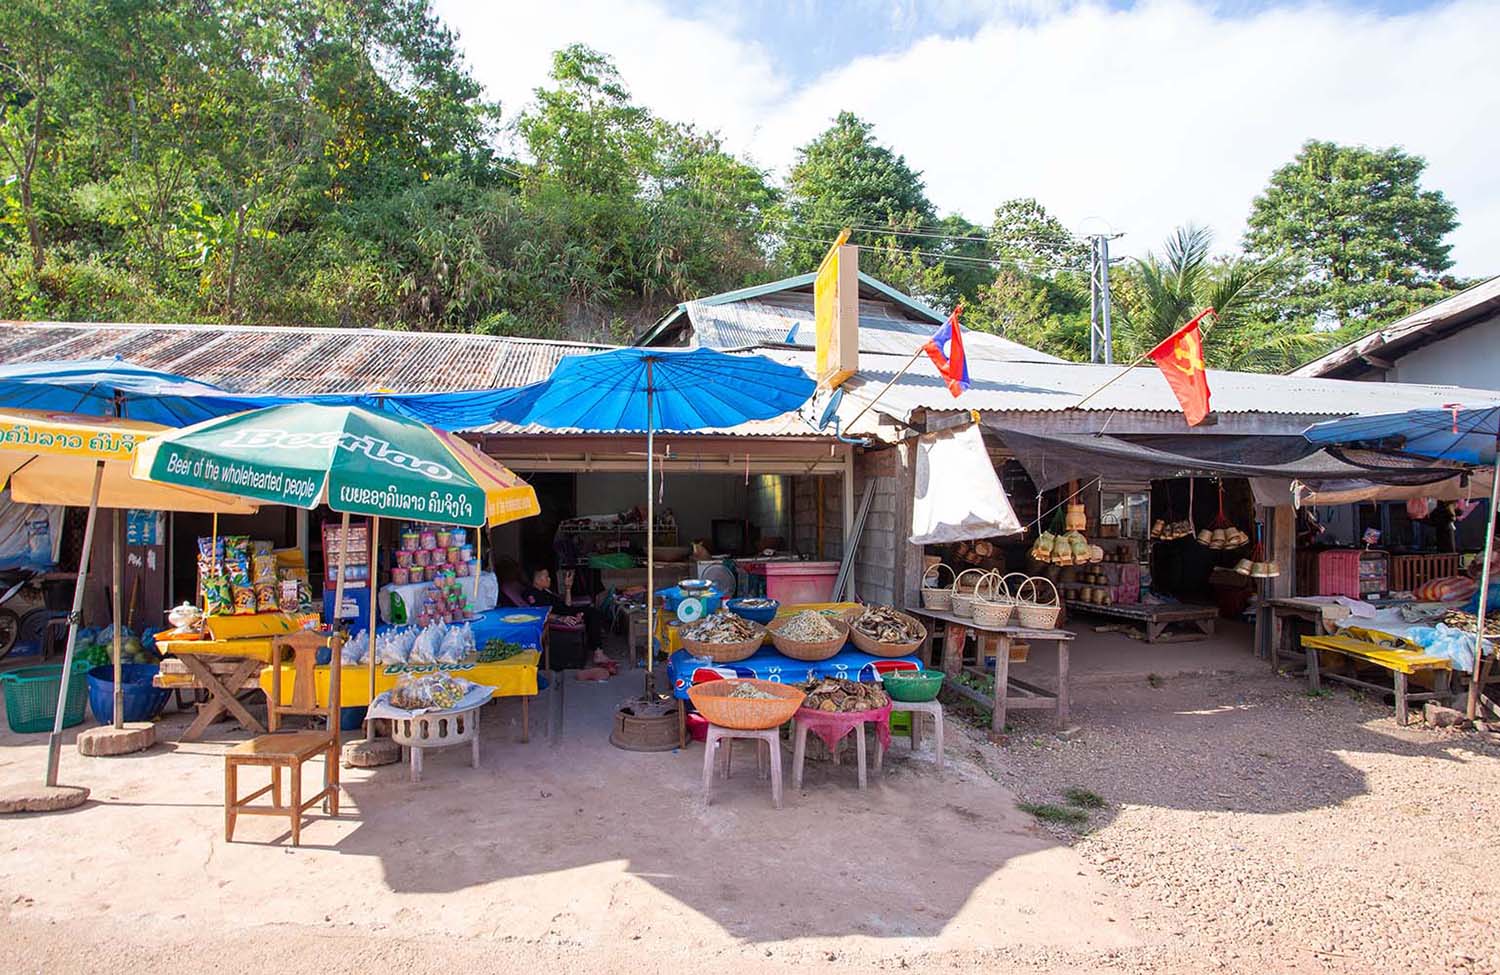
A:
958	495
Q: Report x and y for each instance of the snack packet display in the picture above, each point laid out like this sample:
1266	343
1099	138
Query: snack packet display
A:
414	692
216	596
266	598
286	599
236	548
242	599
263	568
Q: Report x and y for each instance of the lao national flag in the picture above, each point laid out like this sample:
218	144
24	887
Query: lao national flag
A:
946	350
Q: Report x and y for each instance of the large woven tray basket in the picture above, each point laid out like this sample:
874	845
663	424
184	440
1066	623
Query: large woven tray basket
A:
875	648
809	652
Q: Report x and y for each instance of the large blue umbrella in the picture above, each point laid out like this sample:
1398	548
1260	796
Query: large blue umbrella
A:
114	387
1468	435
645	390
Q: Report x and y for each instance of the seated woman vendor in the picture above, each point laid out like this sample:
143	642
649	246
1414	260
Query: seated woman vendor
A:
513	592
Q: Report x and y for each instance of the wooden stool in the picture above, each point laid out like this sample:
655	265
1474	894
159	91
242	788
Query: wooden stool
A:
286	752
916	709
768	740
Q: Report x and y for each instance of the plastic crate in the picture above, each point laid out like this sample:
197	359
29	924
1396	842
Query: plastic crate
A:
31	697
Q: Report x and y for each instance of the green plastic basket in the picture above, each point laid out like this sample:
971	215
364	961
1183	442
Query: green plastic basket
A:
911	690
31	697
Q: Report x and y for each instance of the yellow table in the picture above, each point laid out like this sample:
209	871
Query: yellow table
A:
670	640
512	677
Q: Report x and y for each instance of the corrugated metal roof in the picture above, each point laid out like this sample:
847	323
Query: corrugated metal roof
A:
1043	387
769	321
296	360
1466	307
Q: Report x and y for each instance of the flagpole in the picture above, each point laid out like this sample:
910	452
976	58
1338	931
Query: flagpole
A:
921	349
1146	355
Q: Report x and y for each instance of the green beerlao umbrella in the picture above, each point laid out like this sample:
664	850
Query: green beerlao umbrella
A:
356	461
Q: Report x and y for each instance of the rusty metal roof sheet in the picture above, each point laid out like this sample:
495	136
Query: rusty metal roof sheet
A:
295	360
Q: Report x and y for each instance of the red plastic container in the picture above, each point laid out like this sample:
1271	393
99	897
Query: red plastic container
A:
800	582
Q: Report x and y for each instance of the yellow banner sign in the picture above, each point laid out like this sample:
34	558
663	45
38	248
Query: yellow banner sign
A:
836	314
98	438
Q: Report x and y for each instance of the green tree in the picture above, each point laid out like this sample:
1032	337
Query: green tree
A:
1359	239
845	178
1025	234
1157	294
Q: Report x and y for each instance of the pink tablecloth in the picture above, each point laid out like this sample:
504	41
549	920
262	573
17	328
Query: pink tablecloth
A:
834	726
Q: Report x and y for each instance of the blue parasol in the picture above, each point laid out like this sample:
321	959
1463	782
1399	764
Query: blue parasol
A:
114	387
1468	435
645	390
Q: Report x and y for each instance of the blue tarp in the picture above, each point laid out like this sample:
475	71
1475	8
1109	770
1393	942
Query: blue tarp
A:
1464	434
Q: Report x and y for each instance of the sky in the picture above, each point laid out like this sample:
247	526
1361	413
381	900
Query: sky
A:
1122	117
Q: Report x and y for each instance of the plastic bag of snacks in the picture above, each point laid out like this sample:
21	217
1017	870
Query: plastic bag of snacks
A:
457	644
414	692
286	598
425	649
237	548
390	648
356	649
216	596
266	597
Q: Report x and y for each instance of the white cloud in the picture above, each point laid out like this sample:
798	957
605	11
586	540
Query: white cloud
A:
1146	117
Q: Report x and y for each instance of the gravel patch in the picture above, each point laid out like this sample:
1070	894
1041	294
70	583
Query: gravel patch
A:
1267	830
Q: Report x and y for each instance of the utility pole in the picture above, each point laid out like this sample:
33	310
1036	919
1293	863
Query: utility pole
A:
1101	333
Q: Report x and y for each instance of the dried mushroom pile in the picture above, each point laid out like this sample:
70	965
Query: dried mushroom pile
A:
884	625
1460	620
837	694
746	691
721	627
808	627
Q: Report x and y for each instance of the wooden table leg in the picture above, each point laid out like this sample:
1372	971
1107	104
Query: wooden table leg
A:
1275	647
955	636
1313	681
1153	630
221	698
1062	682
1401	715
681	724
925	652
859	751
1001	644
525	718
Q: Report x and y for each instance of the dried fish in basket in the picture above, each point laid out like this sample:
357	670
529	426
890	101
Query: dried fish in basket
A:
884	631
723	637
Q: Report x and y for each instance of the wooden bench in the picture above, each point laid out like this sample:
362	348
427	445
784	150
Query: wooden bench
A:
1156	617
1401	662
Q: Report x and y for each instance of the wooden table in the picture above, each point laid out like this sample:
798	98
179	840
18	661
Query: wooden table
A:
1010	692
1401	663
1156	617
1320	614
224	678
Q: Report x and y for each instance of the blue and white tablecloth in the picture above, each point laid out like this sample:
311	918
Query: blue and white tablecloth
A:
685	669
520	626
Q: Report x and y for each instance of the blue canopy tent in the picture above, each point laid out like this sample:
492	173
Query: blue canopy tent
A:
1468	435
644	390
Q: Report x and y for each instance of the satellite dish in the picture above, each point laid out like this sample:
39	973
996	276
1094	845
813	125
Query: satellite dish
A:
831	411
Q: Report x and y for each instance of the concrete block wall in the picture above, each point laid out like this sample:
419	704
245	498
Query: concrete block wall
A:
883	560
805	517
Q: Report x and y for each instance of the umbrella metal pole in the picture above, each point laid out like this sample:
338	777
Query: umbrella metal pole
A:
650	538
374	536
75	619
1472	709
335	698
117	583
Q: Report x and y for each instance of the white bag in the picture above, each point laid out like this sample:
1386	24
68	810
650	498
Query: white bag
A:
958	495
425	649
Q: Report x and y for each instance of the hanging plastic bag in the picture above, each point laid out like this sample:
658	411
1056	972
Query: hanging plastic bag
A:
958	496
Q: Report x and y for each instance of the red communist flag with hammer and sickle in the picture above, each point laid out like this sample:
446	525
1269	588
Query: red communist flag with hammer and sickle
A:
1180	359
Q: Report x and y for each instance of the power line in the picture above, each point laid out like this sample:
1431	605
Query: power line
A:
936	256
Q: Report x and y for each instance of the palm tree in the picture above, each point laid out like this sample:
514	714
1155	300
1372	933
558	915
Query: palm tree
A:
1160	294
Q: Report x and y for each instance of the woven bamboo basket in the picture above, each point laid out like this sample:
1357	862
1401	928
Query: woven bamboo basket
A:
1032	612
875	648
745	714
806	651
963	597
939	598
727	653
992	601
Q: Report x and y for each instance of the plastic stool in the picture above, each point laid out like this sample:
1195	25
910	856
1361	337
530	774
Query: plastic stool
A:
916	709
767	740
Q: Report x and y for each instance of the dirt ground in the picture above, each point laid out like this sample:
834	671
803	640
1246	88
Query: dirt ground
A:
1245	827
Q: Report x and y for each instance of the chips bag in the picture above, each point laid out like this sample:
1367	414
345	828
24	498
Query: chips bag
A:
216	596
266	600
243	598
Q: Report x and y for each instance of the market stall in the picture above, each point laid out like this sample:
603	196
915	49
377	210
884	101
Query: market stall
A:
370	464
